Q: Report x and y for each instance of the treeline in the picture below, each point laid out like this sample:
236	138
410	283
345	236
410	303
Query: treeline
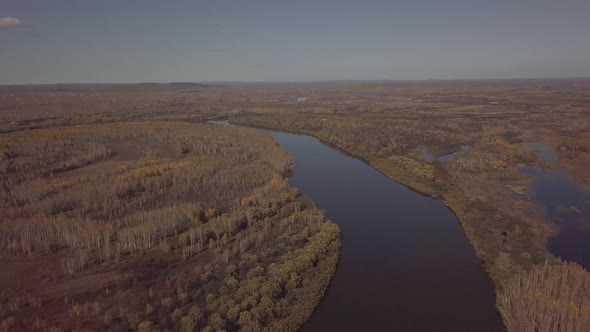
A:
275	290
46	206
547	298
42	107
379	135
198	199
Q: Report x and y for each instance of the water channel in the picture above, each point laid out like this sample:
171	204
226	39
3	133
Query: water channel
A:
405	263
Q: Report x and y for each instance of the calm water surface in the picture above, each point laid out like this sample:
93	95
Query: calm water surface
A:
566	204
545	153
405	263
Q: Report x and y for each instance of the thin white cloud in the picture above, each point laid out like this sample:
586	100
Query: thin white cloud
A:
10	22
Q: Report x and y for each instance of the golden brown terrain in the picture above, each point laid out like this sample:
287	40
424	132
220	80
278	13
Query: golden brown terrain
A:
156	225
401	128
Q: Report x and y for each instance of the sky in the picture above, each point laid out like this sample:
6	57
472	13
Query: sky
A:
114	41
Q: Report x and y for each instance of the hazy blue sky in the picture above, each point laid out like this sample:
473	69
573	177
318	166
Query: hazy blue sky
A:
47	41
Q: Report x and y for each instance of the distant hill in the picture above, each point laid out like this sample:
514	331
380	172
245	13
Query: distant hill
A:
187	84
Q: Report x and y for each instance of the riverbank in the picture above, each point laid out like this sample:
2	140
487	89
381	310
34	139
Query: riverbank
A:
389	250
504	231
498	227
518	308
482	185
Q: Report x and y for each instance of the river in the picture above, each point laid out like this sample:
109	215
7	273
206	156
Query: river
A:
405	263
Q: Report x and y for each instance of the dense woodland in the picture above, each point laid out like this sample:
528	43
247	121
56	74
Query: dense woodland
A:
156	226
547	298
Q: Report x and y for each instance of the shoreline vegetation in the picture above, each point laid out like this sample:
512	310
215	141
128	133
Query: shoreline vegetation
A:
509	274
157	225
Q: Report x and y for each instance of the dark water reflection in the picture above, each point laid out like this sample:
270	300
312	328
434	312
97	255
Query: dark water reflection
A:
566	204
544	152
569	206
405	264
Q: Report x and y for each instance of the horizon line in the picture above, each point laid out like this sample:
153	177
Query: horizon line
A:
225	82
